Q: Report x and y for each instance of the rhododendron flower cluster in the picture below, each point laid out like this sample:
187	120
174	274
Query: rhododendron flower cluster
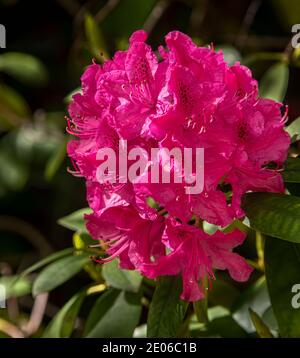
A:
180	96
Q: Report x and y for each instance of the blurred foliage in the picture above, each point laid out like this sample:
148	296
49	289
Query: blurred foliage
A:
39	72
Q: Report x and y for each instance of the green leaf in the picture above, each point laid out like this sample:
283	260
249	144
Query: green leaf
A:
127	280
82	241
275	215
167	311
58	272
291	172
255	297
12	101
270	319
25	68
274	83
293	129
47	260
223	325
230	53
63	322
55	161
75	221
261	328
200	307
223	294
282	262
69	96
262	56
220	324
114	315
95	38
14	173
15	286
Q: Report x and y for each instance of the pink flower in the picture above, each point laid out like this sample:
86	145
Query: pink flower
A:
189	98
195	254
132	90
128	236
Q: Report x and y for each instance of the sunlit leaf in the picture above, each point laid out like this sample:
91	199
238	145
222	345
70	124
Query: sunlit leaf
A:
293	129
59	272
15	286
114	315
274	83
47	260
261	328
95	38
62	324
276	215
75	221
115	277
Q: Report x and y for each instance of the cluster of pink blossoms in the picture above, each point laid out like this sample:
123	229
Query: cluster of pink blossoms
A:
190	97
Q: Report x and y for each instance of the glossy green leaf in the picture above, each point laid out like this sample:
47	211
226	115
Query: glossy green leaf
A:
167	311
274	83
261	328
59	272
62	324
282	263
75	221
47	260
276	215
114	315
115	277
23	67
